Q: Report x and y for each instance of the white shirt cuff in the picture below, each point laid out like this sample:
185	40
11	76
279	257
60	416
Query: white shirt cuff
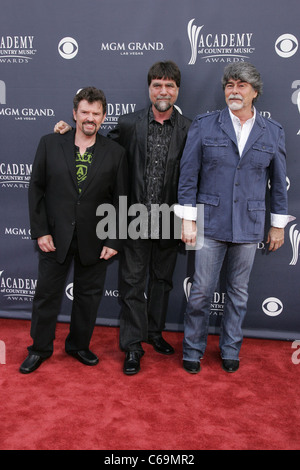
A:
280	221
185	212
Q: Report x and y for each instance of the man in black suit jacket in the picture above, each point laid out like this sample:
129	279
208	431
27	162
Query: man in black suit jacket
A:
71	176
154	139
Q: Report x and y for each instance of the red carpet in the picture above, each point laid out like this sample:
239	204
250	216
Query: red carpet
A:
65	405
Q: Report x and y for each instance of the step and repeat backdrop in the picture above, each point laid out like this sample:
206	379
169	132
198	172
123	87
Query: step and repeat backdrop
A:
50	49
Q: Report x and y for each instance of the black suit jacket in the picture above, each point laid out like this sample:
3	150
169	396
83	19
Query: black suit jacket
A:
131	132
55	206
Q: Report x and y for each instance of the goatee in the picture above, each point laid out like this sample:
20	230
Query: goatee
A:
162	106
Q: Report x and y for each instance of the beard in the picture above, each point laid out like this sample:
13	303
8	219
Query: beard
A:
162	106
235	106
89	131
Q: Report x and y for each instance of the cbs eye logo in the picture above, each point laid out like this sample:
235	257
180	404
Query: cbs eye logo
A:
272	307
68	48
69	291
286	45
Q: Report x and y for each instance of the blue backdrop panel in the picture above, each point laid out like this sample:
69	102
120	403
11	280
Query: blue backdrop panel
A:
50	49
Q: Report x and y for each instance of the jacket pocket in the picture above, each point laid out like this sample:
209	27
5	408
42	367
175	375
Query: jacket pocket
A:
210	199
214	149
211	202
256	211
256	205
261	155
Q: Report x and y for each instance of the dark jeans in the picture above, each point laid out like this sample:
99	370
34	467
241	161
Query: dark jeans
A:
146	281
208	264
87	292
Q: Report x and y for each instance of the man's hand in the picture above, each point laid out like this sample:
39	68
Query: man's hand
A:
107	253
275	238
46	243
189	232
62	127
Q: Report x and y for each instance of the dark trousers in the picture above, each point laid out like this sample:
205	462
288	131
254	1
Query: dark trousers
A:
87	292
146	281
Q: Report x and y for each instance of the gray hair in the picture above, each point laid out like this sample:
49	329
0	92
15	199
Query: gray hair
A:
245	72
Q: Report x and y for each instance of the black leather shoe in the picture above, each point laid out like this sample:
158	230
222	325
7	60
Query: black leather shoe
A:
230	365
85	357
132	362
160	345
31	363
193	367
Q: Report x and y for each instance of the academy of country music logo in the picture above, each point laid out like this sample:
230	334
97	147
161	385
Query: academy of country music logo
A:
15	175
294	235
217	301
272	306
296	96
218	47
114	111
17	49
17	288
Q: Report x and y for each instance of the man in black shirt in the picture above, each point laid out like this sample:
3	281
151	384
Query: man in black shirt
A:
154	139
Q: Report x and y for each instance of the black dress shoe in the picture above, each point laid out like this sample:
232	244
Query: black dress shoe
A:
230	365
85	357
31	363
160	345
193	367
132	362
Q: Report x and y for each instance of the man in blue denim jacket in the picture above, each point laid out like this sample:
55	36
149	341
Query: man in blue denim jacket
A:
229	157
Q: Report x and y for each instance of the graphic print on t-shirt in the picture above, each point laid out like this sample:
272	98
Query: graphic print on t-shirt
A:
83	163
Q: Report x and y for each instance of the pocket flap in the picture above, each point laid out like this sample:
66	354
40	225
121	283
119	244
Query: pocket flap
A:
211	142
263	148
210	199
256	206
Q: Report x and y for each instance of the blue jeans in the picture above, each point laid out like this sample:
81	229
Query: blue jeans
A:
208	264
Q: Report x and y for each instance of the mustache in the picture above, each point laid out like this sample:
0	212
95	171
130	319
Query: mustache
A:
164	97
235	97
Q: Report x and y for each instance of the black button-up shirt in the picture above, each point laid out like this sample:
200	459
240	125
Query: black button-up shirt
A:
158	142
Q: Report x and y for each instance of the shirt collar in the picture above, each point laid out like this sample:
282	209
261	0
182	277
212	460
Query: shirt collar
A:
88	149
235	119
171	120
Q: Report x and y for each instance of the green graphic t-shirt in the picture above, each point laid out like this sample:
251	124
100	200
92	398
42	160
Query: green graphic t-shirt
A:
83	163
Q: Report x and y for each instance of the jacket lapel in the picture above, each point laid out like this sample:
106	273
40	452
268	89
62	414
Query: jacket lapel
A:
227	126
177	138
176	145
68	150
141	129
256	132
